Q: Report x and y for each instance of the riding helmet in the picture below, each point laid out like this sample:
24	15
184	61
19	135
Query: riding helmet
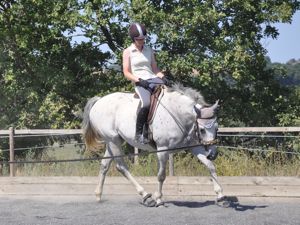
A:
137	30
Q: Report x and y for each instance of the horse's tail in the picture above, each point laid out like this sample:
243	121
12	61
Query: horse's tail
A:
89	133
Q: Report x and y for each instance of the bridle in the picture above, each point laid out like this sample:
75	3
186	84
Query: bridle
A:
205	126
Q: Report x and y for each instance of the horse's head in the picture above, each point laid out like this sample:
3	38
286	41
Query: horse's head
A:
207	128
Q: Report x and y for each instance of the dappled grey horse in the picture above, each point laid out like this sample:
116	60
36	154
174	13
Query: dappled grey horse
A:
182	118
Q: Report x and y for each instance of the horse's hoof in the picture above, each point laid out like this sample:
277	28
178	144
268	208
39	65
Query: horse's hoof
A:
223	202
159	204
98	197
148	201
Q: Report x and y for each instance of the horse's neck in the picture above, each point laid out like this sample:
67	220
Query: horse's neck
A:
180	107
180	104
175	117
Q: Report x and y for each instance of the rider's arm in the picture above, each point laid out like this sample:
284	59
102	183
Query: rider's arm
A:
126	67
155	68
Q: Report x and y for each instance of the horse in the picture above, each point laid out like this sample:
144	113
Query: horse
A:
182	118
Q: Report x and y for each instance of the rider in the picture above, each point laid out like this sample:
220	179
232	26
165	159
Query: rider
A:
139	66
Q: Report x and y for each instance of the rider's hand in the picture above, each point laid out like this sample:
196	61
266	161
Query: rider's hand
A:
143	83
166	81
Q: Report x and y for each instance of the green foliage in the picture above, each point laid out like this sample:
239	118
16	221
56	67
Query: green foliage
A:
293	70
288	75
213	46
291	117
229	163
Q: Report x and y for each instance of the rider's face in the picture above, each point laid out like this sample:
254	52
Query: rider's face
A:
139	42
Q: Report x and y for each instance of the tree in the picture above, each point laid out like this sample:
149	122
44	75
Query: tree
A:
45	78
288	75
213	46
42	69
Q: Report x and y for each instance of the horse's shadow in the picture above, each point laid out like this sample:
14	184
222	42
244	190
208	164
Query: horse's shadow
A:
233	200
190	204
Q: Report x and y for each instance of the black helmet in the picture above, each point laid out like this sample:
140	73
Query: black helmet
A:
137	30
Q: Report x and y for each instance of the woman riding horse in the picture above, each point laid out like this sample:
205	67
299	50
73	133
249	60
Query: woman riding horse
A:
182	119
139	66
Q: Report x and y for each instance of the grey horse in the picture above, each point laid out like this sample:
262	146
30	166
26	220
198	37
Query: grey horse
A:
182	118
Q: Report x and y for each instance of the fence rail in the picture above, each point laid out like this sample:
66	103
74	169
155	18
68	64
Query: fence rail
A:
221	130
42	131
13	133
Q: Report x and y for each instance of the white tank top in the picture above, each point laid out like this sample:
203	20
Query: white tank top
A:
140	62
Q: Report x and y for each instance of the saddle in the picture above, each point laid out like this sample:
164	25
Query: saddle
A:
156	95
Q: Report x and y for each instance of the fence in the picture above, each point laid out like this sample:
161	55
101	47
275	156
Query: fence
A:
12	133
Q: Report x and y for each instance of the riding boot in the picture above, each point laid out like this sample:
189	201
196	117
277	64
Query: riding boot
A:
140	123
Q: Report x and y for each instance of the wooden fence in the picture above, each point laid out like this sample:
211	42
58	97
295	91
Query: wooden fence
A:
12	133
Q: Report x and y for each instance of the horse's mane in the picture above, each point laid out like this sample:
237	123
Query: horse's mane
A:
190	92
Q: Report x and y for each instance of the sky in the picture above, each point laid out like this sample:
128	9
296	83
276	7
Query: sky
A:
287	44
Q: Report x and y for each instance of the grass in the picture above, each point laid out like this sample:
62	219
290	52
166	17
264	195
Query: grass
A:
229	163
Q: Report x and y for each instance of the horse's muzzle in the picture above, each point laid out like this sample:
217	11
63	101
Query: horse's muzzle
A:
212	152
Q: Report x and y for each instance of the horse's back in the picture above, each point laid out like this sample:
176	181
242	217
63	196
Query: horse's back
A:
113	100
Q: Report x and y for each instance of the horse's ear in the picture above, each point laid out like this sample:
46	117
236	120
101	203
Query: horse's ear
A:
207	113
198	111
216	106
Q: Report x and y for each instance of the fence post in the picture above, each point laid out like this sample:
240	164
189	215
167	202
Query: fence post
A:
1	169
1	164
171	165
11	151
136	151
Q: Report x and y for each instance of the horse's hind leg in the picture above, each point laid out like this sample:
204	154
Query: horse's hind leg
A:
104	166
122	168
161	176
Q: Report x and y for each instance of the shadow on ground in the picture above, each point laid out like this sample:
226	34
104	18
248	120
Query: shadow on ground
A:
234	204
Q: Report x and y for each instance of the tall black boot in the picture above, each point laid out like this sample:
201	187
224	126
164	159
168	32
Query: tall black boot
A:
140	122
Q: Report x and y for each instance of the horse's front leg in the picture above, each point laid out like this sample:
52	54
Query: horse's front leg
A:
104	166
161	176
201	154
